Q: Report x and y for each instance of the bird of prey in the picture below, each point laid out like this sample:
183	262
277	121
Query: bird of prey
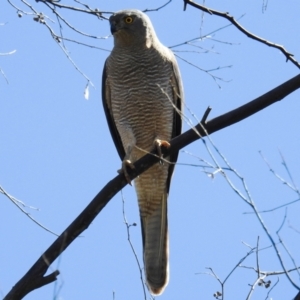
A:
143	97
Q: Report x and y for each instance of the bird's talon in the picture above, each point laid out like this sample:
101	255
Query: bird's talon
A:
126	163
161	143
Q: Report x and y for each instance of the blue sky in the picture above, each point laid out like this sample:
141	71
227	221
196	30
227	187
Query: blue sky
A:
56	153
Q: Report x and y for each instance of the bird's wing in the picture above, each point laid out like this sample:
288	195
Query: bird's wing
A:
177	120
106	100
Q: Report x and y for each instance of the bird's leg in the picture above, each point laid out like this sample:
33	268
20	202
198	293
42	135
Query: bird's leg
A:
127	163
161	143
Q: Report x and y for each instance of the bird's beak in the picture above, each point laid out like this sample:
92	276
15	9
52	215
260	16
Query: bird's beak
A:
113	28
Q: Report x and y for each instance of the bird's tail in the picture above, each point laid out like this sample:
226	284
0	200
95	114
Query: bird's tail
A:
156	246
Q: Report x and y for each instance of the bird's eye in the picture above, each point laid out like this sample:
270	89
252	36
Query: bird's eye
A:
128	20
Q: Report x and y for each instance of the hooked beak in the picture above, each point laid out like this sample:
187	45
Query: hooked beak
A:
113	27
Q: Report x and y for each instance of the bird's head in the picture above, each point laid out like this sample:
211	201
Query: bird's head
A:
132	27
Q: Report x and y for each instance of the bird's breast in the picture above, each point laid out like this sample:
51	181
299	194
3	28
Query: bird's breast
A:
141	97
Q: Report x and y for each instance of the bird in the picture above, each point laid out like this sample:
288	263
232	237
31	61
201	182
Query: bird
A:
142	97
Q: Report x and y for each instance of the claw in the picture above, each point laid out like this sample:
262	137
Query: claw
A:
126	163
161	143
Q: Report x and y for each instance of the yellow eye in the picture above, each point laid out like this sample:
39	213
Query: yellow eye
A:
128	20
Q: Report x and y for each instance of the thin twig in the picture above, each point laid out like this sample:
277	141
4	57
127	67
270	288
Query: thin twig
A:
257	260
215	78
271	289
19	9
157	9
95	12
222	283
80	43
275	208
19	204
289	173
3	74
289	56
69	25
8	53
131	245
250	202
200	38
68	56
283	244
277	175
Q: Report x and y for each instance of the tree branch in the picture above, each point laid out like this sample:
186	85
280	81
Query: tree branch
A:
232	20
35	278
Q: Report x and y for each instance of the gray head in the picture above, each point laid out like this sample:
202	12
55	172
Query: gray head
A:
132	27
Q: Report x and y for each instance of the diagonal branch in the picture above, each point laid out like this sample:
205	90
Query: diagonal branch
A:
289	56
36	278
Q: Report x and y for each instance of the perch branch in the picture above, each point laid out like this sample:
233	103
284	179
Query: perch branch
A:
36	278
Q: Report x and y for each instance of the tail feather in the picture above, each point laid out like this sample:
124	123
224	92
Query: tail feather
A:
156	247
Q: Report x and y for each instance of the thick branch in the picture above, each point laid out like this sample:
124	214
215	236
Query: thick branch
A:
36	278
232	20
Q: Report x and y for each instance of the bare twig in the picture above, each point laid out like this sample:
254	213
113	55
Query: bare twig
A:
282	223
19	10
215	78
8	53
95	12
292	227
275	208
200	38
271	273
283	244
20	205
271	289
248	199
131	245
42	18
289	173
278	176
282	180
257	260
67	54
3	74
158	8
222	283
261	278
289	56
69	25
57	37
264	6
